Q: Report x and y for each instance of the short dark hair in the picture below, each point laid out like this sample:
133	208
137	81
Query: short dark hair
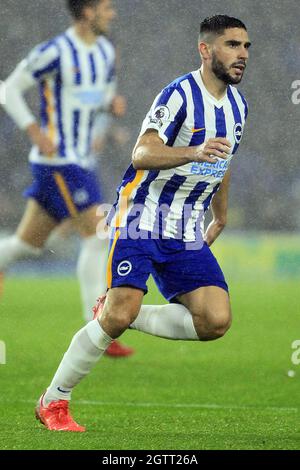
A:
217	24
76	7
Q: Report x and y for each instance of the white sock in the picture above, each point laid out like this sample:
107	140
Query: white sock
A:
13	249
170	321
86	348
91	272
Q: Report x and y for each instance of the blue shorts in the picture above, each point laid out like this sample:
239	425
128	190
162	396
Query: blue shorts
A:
175	267
64	191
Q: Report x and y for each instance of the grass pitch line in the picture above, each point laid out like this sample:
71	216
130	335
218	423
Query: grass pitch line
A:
173	405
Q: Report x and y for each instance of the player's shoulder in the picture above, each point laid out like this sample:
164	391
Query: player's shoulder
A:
108	46
239	98
177	86
48	47
237	93
177	83
53	42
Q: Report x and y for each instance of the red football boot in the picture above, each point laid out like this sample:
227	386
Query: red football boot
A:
56	416
115	349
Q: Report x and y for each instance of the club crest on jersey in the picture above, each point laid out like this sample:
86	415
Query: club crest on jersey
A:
124	268
160	115
238	132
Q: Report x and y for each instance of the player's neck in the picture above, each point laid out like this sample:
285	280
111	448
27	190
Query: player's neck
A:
214	86
85	33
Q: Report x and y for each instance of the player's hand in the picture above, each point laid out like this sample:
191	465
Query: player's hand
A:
118	106
212	149
41	140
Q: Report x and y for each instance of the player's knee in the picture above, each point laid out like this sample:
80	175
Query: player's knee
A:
212	325
122	318
121	310
221	325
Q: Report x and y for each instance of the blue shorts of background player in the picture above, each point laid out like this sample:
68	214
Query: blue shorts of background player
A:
175	267
64	191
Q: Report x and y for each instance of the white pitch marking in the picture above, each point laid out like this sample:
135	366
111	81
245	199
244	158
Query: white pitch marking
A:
211	406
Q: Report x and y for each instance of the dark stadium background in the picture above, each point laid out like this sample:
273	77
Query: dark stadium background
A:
157	41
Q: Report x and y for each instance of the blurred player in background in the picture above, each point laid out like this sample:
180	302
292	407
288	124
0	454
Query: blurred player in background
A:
76	76
180	166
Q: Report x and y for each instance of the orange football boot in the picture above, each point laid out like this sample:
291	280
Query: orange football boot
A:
56	416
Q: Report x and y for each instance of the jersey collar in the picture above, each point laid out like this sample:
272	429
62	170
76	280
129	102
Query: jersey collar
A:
198	78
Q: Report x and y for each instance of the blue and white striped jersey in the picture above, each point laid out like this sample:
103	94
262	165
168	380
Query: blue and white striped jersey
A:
76	80
172	203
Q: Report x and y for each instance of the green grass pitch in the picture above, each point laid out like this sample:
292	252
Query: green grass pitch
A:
233	393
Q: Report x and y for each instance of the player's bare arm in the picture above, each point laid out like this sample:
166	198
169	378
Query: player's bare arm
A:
219	207
150	152
118	106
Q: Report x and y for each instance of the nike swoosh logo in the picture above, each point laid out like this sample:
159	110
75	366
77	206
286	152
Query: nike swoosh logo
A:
198	130
63	391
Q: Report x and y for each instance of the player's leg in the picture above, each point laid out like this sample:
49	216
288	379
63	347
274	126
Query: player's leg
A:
77	197
81	196
211	312
30	236
87	347
92	260
40	218
203	315
172	321
120	310
180	273
91	268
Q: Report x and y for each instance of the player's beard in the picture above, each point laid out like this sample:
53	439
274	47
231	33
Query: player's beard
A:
98	29
222	73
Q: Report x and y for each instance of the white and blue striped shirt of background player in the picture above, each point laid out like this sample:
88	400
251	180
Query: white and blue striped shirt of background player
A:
76	81
184	114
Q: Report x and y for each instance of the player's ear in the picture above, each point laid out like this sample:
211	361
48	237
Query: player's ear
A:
88	13
204	50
